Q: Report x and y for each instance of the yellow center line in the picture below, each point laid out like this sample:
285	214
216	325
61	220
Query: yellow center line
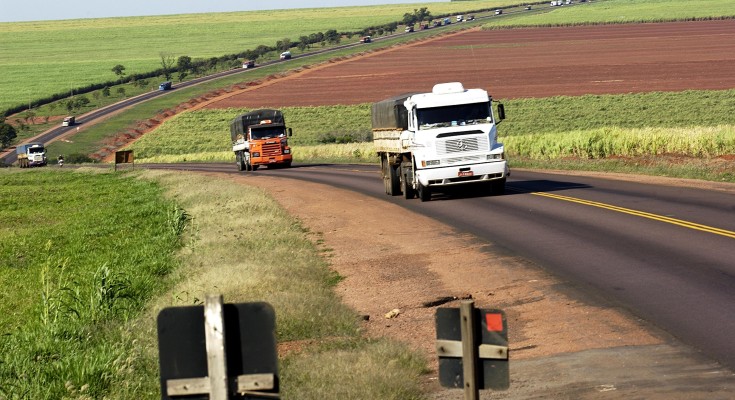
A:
674	221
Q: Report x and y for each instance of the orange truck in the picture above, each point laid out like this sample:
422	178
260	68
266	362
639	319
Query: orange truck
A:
260	137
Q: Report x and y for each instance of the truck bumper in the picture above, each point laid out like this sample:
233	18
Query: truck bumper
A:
272	160
463	174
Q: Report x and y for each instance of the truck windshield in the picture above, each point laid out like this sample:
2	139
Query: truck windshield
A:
457	115
36	150
267	133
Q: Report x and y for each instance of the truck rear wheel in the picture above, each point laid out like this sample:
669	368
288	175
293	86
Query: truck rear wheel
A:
391	179
239	161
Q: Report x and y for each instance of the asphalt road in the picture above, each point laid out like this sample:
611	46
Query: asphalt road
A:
665	253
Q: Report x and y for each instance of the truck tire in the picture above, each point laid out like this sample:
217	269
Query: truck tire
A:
391	179
406	188
424	192
238	161
497	187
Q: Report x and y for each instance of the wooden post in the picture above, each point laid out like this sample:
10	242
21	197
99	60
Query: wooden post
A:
214	322
469	347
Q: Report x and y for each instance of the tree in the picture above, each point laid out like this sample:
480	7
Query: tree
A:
167	65
303	43
183	63
332	37
7	134
119	70
121	91
283	44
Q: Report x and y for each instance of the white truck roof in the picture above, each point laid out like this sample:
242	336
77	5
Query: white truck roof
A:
447	94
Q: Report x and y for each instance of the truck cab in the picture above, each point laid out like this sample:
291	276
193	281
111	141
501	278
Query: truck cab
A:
31	155
68	121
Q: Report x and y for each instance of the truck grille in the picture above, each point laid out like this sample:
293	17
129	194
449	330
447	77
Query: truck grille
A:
462	145
271	149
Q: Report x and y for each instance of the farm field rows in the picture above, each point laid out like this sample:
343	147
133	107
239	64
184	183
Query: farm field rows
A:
522	63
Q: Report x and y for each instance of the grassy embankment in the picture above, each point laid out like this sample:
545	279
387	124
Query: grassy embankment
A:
636	132
85	271
46	57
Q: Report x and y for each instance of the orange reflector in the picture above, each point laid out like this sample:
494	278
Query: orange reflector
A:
494	322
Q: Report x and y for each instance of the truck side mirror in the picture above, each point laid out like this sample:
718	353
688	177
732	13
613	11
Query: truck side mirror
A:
501	112
290	132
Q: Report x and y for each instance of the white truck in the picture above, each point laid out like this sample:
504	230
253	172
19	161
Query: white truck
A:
431	141
31	155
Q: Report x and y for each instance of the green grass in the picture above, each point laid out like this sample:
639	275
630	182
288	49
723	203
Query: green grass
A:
86	270
619	11
80	259
39	59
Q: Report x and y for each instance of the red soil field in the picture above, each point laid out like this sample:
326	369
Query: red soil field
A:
518	63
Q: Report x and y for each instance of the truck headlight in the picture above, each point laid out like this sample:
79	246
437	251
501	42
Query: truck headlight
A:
256	154
497	156
429	163
286	151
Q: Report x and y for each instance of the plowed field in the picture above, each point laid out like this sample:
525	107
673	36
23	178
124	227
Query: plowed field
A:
516	63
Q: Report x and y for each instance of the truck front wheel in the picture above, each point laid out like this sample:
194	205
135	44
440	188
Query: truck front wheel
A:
406	187
424	192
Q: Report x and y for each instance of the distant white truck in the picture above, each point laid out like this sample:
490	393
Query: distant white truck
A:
431	141
31	155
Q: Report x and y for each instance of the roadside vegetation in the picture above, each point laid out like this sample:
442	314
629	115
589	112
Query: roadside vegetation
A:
692	126
86	270
619	11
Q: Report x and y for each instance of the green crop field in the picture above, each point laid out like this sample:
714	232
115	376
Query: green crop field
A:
690	123
38	59
621	11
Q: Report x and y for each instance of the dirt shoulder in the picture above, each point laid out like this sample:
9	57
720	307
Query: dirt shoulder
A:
561	345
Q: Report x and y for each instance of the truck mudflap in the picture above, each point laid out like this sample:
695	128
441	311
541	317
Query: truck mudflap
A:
463	174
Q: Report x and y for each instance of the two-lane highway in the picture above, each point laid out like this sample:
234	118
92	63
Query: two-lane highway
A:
666	253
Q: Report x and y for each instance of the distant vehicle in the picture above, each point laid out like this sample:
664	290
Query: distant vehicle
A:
248	64
447	21
68	121
424	26
31	155
569	2
470	17
460	18
528	7
366	39
286	55
436	24
498	12
165	86
409	29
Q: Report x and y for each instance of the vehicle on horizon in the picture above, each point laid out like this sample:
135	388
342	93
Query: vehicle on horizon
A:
248	64
366	39
286	55
68	121
409	29
498	12
165	85
430	142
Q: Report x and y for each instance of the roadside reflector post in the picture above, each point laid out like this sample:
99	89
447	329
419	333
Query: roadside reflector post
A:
472	346
218	351
469	350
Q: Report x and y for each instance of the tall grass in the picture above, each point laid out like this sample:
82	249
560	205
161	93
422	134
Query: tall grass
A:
80	259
